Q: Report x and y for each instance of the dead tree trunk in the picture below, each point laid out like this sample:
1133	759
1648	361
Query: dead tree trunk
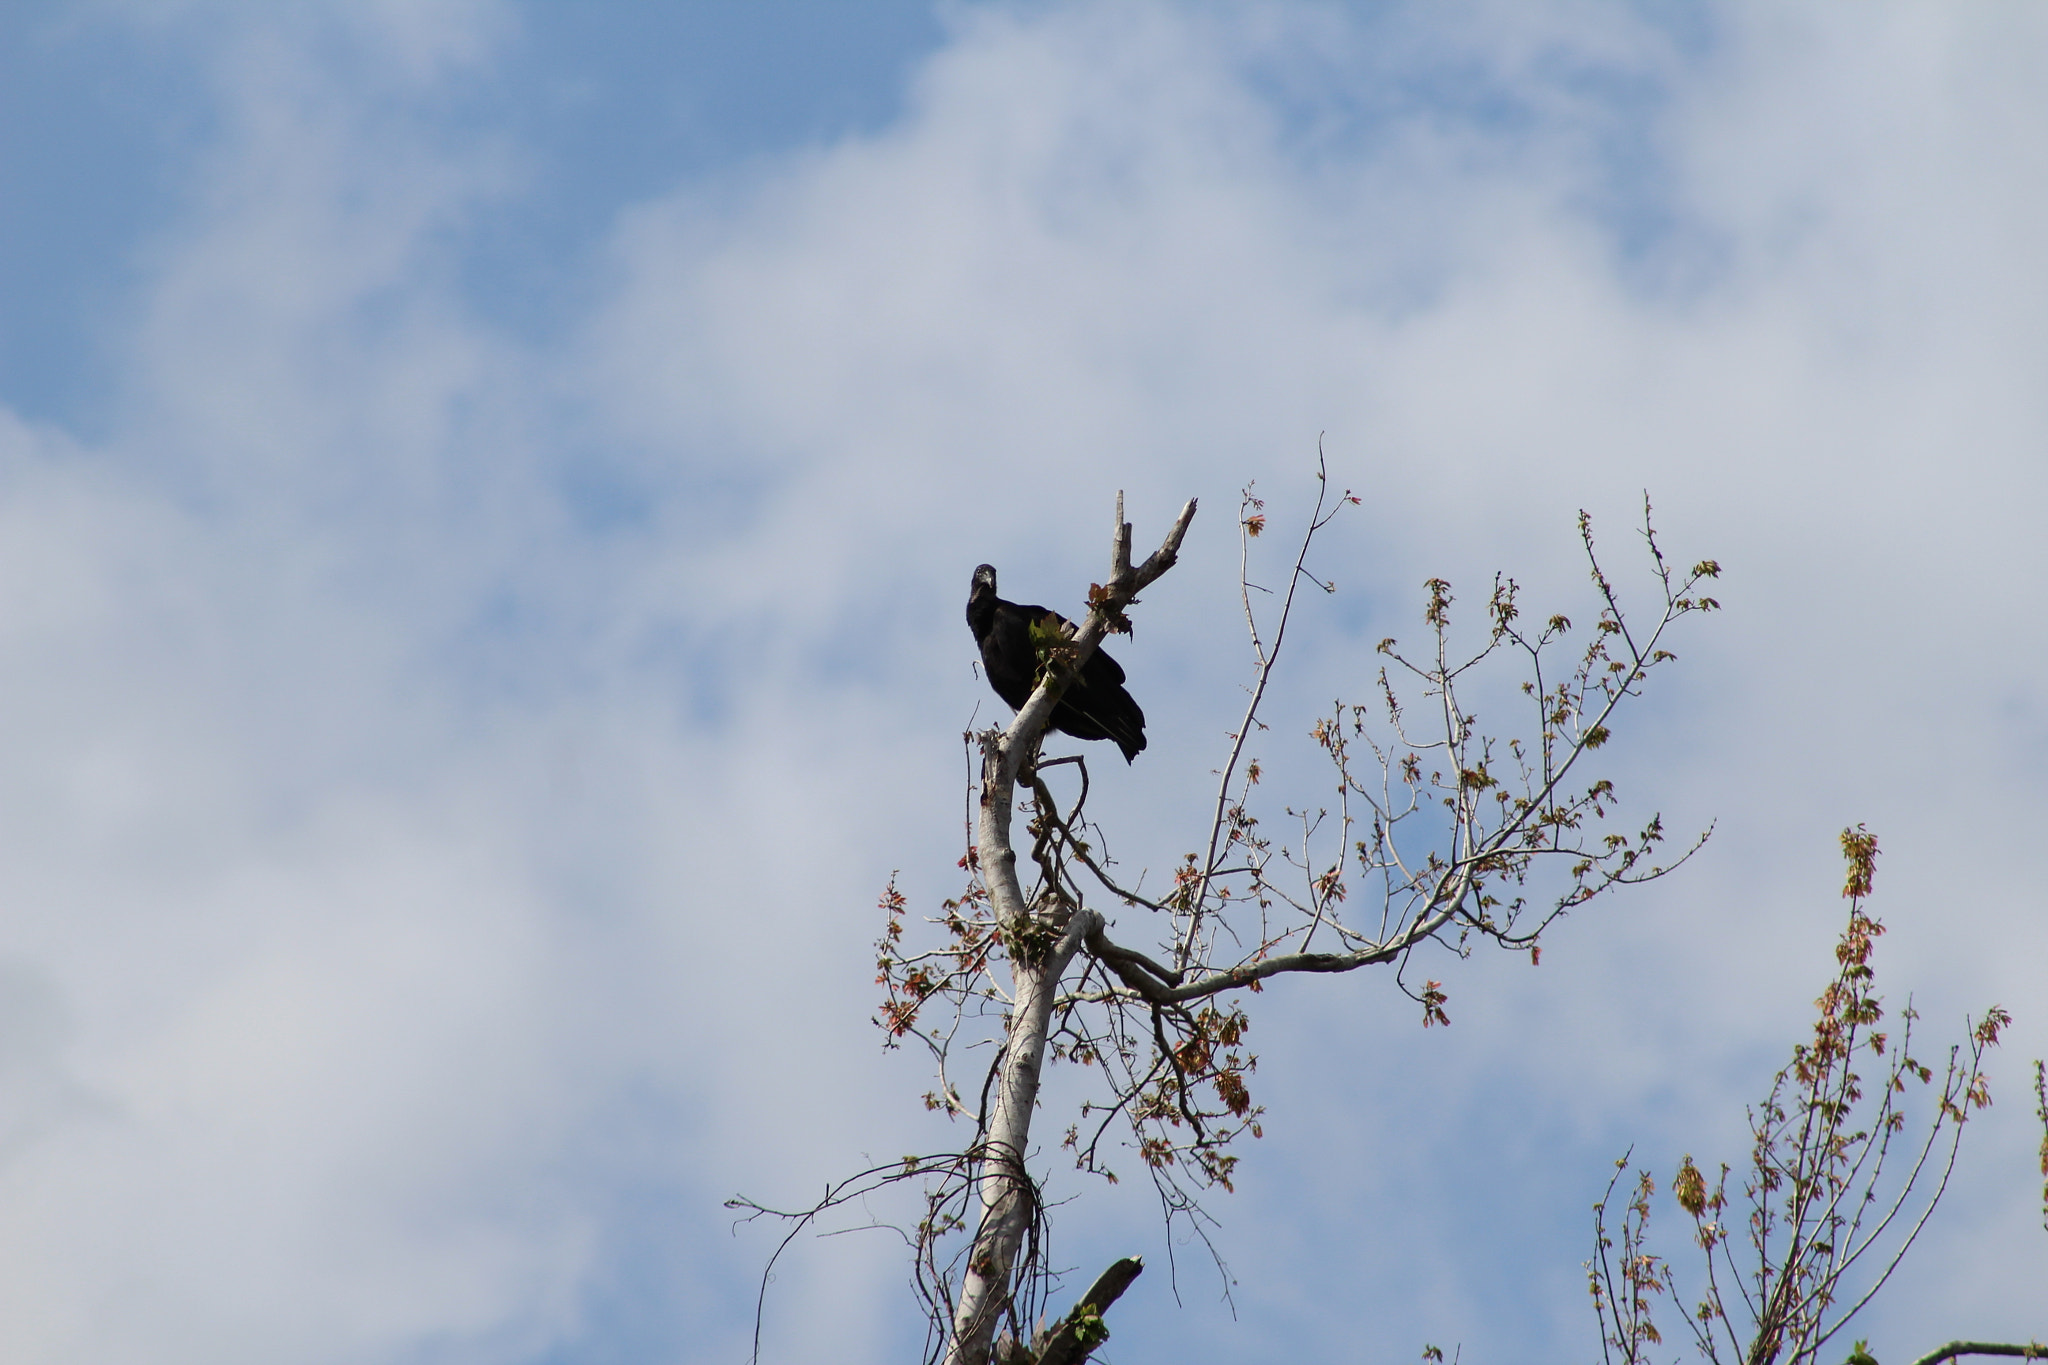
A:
1041	940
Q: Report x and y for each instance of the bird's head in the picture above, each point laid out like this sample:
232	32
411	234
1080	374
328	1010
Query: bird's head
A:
984	581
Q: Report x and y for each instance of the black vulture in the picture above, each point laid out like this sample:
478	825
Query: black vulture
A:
1094	706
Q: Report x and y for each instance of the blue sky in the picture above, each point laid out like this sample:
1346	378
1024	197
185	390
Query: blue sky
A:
105	120
486	498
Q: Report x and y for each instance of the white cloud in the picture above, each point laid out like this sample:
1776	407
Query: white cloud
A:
1094	256
410	867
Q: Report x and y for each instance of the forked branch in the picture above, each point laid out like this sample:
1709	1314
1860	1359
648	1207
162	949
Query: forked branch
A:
1442	835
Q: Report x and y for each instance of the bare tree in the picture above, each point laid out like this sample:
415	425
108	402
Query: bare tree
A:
1830	1213
1441	835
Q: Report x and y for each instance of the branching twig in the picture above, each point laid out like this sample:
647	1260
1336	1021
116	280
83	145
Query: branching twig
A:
1819	1143
1449	843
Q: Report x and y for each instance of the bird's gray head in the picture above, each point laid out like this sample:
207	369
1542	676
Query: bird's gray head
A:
984	580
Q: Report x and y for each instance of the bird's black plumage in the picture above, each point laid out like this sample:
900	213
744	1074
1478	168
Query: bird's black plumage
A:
1094	706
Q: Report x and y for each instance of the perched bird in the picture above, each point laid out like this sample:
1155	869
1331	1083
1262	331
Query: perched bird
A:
1094	706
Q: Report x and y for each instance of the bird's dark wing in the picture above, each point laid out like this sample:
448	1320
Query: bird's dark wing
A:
1101	670
1096	706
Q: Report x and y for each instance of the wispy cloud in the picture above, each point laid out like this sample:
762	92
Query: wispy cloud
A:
452	758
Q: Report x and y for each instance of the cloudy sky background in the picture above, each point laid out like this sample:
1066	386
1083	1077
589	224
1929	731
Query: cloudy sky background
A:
486	497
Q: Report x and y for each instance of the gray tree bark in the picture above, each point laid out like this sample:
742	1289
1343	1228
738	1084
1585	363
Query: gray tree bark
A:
1041	942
